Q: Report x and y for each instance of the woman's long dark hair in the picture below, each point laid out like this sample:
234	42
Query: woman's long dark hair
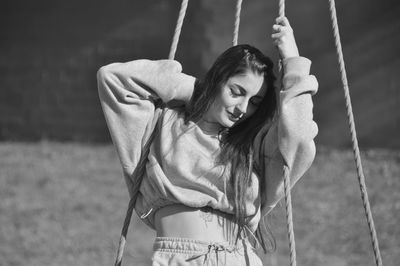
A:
237	143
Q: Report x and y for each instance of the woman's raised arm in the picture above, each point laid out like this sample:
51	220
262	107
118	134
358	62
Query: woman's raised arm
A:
127	94
289	139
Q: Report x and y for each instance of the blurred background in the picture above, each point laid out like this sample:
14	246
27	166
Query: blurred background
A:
50	51
62	195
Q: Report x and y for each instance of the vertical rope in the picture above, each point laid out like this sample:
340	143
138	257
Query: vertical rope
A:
138	177
361	178
237	22
289	216
281	8
286	181
140	167
122	240
281	14
178	29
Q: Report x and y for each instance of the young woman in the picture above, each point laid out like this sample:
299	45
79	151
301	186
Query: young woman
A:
215	165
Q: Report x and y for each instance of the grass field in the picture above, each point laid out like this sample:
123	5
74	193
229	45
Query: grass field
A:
64	204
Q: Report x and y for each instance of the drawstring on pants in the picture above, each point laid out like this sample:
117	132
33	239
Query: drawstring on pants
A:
214	249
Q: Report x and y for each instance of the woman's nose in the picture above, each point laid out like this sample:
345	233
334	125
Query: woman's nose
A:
242	107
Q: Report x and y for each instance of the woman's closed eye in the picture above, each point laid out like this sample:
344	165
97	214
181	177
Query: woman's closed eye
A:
235	92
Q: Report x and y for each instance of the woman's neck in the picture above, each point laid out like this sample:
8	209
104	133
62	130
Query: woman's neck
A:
210	128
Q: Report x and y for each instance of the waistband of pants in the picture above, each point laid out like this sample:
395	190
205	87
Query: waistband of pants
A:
193	246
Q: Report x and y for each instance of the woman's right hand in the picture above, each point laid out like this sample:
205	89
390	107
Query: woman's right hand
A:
283	38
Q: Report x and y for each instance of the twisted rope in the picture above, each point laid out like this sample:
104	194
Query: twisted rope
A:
281	8
122	240
289	216
286	181
281	14
178	29
361	178
137	180
237	22
142	162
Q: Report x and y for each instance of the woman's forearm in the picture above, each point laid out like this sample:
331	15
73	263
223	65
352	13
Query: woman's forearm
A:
152	79
290	141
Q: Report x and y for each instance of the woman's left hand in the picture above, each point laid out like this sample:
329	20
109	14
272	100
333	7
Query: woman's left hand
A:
283	38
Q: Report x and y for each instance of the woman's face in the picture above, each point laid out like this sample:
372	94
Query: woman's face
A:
237	99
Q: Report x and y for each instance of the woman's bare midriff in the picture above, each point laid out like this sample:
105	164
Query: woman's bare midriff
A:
204	224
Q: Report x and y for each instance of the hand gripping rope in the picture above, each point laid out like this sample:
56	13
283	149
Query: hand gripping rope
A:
286	183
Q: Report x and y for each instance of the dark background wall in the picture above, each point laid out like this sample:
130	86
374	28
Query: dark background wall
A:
51	50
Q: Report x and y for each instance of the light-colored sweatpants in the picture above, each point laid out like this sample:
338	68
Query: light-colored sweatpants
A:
174	251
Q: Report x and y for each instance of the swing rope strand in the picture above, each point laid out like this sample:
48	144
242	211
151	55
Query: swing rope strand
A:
138	177
122	240
141	164
361	178
237	22
178	28
286	182
281	8
289	216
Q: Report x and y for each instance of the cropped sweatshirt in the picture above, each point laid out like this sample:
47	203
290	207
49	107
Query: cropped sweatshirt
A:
182	166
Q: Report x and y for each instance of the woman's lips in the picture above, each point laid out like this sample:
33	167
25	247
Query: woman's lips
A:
232	117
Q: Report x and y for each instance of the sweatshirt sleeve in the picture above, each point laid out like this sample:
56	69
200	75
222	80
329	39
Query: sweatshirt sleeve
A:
127	94
289	138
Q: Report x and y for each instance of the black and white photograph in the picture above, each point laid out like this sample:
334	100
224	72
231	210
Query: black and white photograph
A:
199	133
